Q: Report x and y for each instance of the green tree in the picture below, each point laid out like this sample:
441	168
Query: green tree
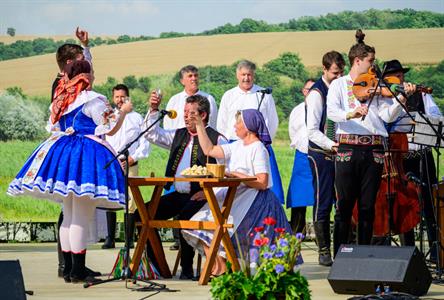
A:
144	84
130	81
288	64
10	31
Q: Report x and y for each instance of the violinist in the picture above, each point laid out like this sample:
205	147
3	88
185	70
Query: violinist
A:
423	102
320	150
360	156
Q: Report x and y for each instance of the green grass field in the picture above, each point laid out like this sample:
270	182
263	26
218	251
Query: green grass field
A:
13	155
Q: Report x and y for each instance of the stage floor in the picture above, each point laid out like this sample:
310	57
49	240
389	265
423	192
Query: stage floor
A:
39	266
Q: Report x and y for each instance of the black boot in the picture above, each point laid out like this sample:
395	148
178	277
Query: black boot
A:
111	224
67	258
78	271
297	220
59	248
322	232
131	223
365	232
341	233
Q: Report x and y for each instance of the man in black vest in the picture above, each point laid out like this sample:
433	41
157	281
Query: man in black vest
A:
185	151
321	146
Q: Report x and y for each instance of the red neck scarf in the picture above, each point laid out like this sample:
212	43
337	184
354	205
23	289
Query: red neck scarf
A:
66	93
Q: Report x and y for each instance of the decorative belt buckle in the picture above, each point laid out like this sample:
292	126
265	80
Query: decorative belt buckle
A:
365	140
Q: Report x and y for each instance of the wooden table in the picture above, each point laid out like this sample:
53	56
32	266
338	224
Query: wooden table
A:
219	226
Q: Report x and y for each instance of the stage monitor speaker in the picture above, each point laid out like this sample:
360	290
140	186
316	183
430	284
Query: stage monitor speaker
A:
11	281
358	270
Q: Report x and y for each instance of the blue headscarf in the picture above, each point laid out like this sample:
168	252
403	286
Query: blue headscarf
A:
255	122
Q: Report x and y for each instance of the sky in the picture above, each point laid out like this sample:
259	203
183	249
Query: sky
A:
137	17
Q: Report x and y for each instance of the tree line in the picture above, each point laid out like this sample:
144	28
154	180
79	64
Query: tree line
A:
346	20
24	117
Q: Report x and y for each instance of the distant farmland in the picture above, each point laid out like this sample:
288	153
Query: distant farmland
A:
165	56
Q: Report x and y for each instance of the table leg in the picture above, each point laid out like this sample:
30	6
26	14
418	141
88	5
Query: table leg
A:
220	232
148	233
226	240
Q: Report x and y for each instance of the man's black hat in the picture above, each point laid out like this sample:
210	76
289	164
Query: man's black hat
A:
392	66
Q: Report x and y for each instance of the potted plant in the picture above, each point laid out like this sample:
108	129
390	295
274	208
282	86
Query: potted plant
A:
268	268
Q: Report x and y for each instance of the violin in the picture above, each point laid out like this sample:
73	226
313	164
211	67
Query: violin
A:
366	86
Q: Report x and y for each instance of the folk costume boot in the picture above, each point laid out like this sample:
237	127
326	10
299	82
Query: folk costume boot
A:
78	270
67	258
61	264
322	232
111	225
131	223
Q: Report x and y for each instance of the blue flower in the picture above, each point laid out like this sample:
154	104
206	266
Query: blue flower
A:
283	242
279	268
273	247
279	254
299	236
254	254
268	255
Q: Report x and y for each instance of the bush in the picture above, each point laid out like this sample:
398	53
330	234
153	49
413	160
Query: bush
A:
20	119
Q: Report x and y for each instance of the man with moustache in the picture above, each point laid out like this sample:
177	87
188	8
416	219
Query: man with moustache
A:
130	129
185	151
189	78
247	95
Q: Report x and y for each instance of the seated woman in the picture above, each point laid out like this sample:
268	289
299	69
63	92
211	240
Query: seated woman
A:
253	201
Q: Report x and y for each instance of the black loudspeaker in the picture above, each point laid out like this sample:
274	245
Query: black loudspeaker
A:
11	281
358	270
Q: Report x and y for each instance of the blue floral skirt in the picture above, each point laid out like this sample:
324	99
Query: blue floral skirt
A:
264	205
71	164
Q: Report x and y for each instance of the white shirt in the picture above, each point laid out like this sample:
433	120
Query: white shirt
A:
177	103
249	159
131	128
297	129
164	138
236	99
314	102
340	101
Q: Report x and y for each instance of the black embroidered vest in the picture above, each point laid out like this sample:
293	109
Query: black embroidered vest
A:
320	86
180	142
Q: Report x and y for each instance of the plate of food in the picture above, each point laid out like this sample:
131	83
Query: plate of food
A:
196	172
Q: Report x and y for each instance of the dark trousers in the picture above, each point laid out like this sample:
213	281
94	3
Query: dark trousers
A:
297	220
413	164
176	205
323	171
358	176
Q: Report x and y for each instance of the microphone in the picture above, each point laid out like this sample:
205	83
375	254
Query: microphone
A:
412	177
397	88
267	90
172	114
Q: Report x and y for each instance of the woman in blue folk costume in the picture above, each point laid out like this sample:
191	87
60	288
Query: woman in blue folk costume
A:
69	166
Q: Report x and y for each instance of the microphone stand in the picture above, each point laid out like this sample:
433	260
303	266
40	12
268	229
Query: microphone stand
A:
126	271
262	99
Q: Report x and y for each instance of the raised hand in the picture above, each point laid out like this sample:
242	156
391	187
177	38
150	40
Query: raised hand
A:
154	101
82	35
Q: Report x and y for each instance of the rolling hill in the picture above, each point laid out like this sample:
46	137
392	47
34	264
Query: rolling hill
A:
166	56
